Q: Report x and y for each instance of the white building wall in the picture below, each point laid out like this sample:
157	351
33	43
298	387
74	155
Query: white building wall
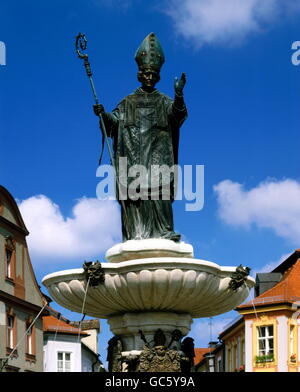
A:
248	345
87	360
91	340
282	343
62	343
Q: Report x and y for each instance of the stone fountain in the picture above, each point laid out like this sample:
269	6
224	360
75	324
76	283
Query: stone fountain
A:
151	286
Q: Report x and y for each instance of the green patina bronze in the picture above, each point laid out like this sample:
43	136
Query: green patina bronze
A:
150	53
144	128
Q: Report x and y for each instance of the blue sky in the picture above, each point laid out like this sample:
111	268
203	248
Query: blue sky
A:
242	94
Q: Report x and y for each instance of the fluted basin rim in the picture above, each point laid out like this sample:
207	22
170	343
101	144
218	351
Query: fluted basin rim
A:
150	264
181	285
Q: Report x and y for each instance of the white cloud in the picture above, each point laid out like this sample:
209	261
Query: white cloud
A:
272	204
226	21
92	229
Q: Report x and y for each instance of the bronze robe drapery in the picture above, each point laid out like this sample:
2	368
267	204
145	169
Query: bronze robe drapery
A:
145	130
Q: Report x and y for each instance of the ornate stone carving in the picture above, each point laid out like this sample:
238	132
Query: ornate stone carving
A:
264	318
239	277
159	359
9	243
114	354
188	354
176	336
94	272
131	363
159	338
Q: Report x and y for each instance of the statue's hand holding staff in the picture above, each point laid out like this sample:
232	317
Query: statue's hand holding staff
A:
179	84
98	109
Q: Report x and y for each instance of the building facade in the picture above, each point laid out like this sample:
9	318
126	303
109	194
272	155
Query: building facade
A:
210	359
234	346
272	323
70	347
22	304
266	335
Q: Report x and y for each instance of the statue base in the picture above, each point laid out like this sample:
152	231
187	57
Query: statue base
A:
152	247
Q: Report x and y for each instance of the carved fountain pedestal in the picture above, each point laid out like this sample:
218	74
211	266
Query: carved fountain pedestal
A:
150	292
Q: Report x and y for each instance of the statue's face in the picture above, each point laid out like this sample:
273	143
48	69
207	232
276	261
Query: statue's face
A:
148	78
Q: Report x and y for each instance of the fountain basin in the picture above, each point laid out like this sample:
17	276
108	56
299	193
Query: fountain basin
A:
166	284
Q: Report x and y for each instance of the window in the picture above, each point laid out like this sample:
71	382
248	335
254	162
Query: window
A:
29	338
235	357
229	360
243	352
63	362
9	258
10	331
220	365
292	327
8	254
293	343
265	340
